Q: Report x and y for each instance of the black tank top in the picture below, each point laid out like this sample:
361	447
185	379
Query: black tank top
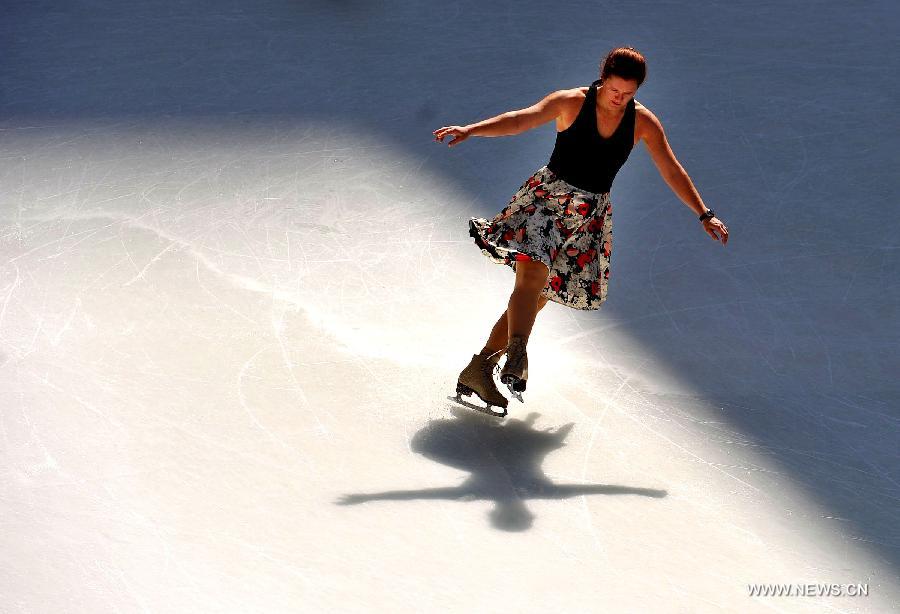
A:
584	158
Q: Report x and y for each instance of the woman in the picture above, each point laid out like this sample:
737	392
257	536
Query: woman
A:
556	231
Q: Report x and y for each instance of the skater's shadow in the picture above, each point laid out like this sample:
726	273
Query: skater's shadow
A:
505	461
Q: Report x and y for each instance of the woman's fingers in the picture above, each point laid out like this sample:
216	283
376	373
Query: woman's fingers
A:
711	227
722	236
723	232
440	133
456	132
458	137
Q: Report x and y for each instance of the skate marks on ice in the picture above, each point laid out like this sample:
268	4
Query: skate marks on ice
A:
505	461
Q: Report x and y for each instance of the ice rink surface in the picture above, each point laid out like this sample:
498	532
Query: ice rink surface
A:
236	289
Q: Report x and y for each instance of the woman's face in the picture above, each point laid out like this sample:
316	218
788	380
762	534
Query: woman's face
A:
616	92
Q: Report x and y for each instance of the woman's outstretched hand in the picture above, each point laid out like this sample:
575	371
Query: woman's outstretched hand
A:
459	134
714	225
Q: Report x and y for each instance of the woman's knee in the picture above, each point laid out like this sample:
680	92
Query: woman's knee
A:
532	274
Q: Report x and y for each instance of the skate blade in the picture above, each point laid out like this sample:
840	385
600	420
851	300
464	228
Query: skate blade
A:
485	410
516	387
515	394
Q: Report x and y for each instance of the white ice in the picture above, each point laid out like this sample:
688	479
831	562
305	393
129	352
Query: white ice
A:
236	289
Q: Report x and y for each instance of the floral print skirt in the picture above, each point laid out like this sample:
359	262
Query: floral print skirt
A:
566	228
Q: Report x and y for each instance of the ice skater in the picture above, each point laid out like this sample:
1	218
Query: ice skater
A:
556	231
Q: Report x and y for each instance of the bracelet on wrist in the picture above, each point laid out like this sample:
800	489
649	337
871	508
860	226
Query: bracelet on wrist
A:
706	215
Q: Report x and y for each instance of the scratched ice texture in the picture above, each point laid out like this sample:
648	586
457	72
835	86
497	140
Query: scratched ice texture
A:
236	289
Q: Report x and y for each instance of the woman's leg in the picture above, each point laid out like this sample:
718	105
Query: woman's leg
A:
522	296
531	277
500	333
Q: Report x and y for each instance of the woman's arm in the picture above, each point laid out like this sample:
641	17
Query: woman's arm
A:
511	122
674	175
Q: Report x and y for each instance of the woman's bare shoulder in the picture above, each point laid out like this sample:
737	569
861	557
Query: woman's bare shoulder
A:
646	122
643	113
572	92
577	92
573	97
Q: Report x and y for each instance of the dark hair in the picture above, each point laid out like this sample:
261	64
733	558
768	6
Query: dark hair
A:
624	62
